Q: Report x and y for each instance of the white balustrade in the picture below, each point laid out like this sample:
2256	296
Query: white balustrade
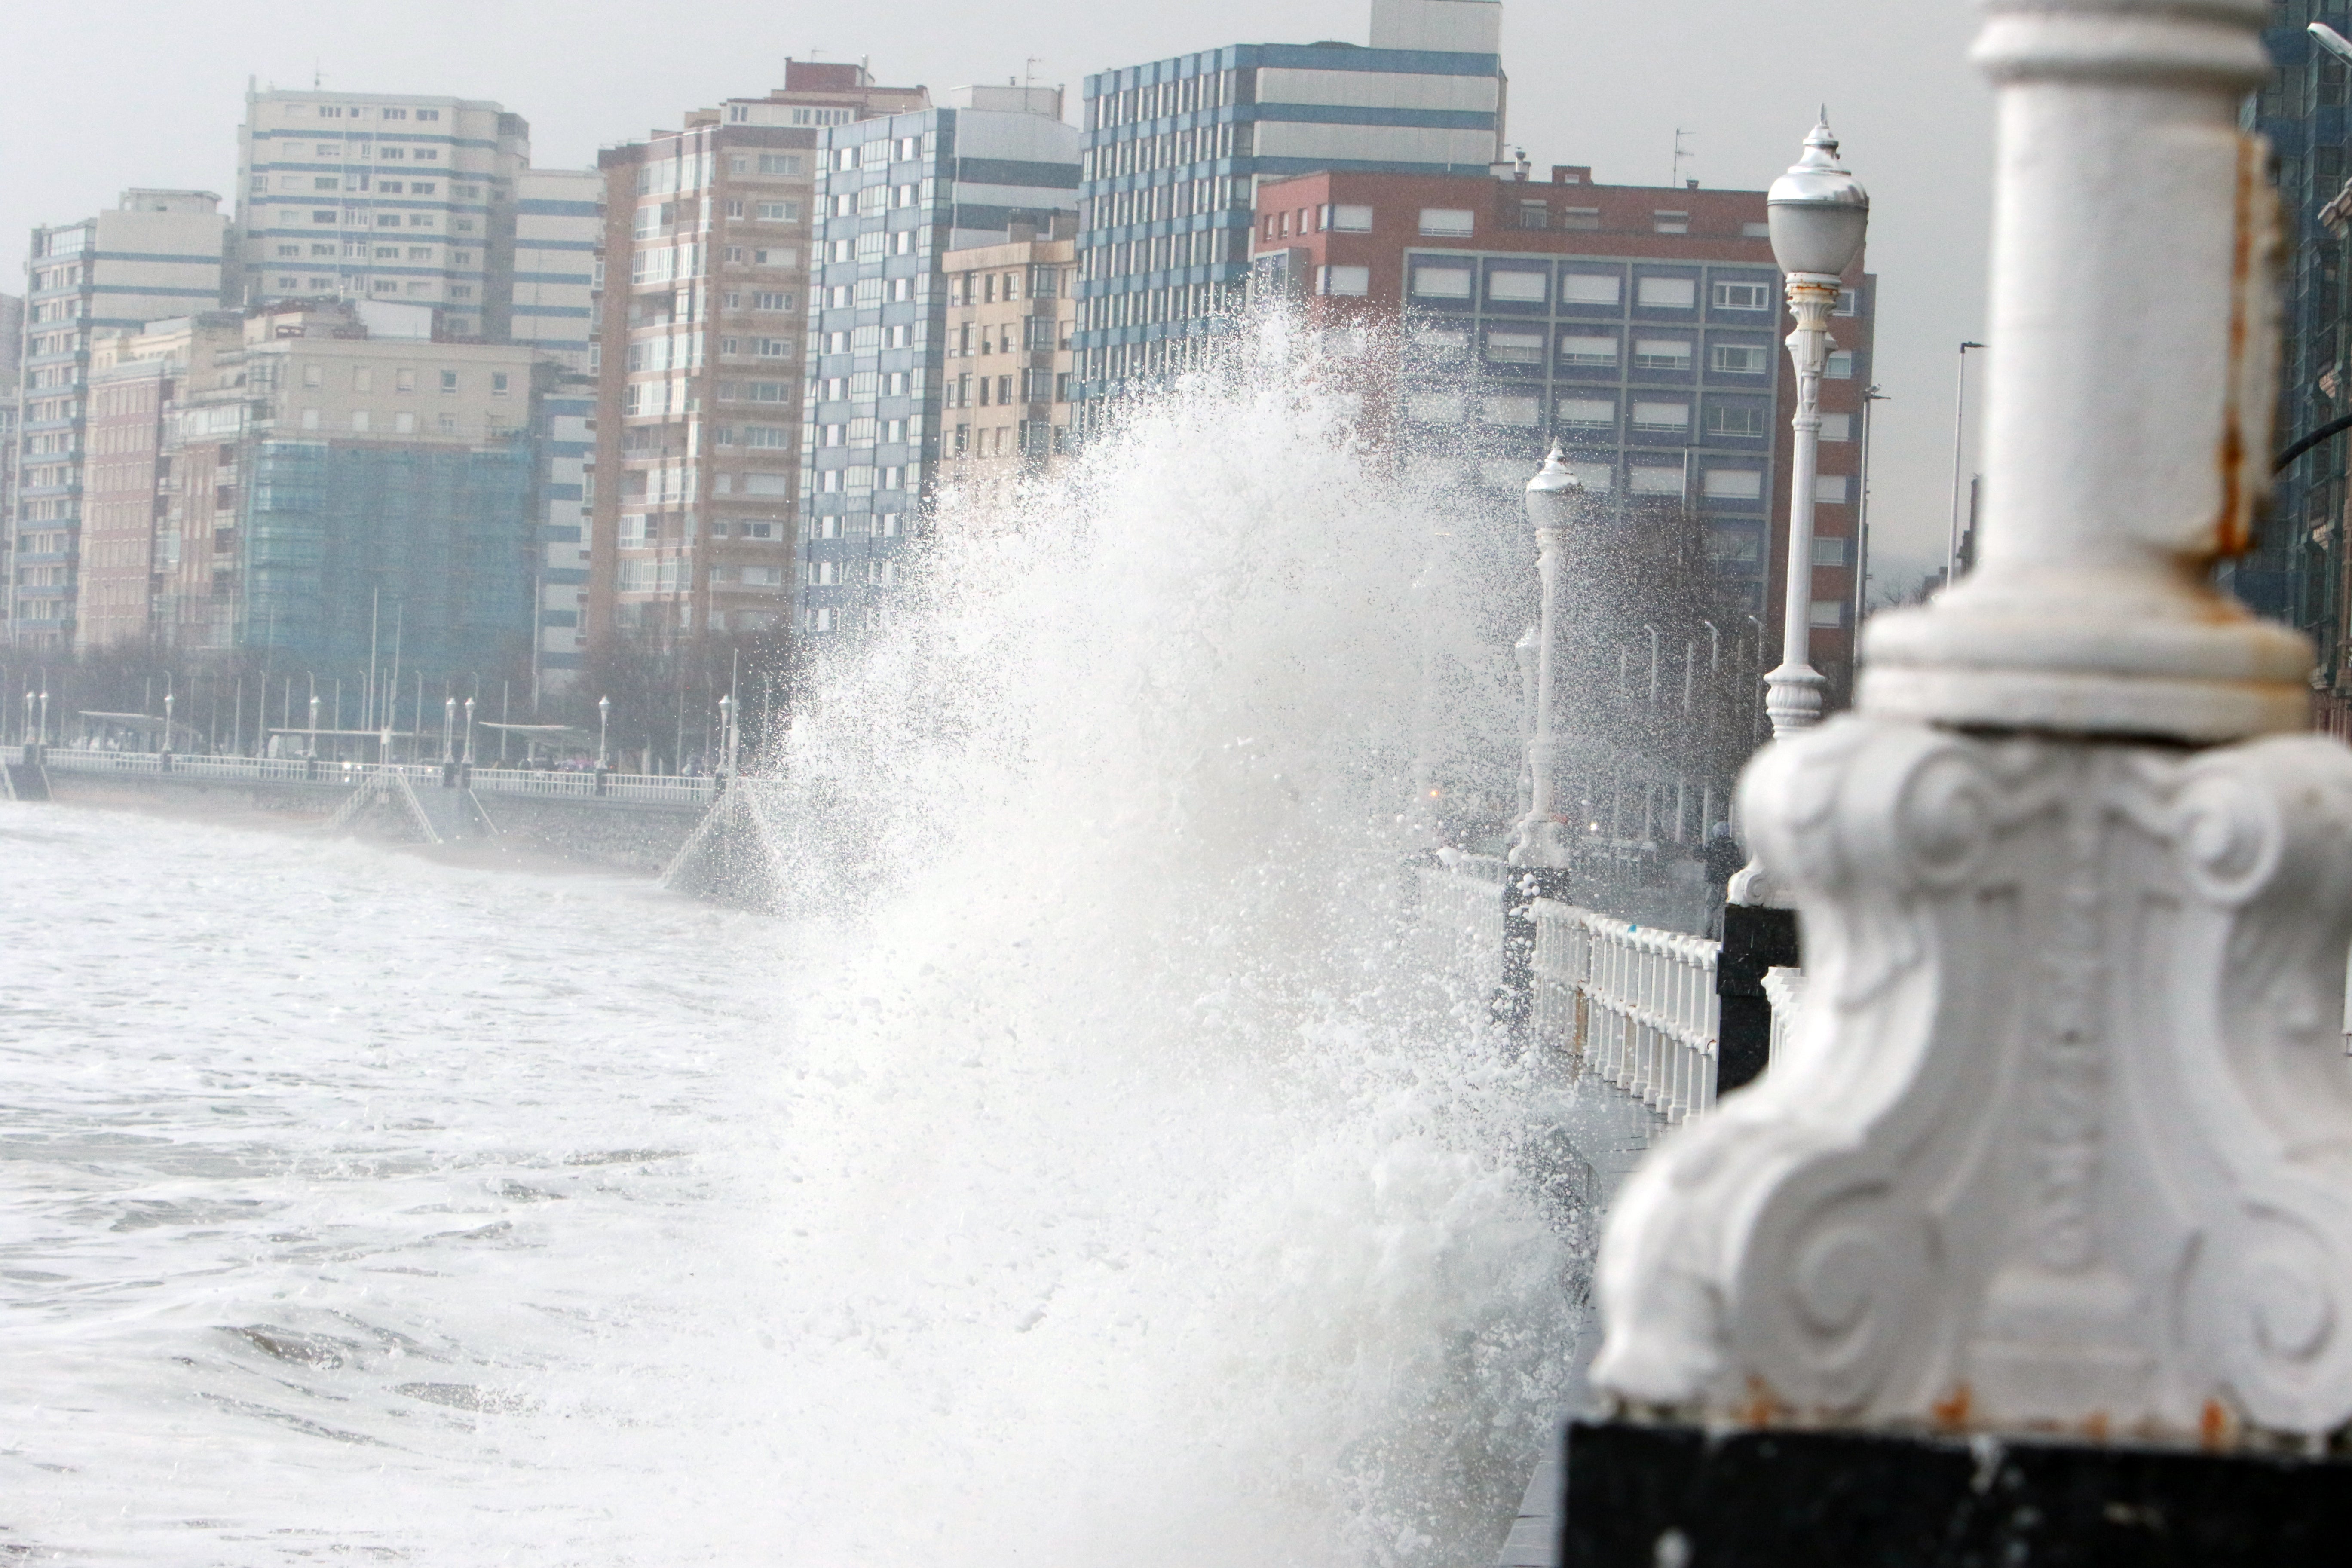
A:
643	789
1634	1005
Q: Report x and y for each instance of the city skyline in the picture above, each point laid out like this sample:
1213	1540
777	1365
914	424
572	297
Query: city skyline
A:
1912	114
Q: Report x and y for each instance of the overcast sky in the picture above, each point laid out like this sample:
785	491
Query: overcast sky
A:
148	94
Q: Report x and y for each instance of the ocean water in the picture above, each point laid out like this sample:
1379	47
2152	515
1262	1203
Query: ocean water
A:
1081	1172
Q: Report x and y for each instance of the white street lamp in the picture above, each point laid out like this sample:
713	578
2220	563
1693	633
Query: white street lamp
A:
448	729
1553	498
1818	212
169	698
603	727
469	731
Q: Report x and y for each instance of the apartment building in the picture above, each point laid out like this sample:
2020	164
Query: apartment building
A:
1005	389
707	256
1639	326
381	197
558	231
347	474
156	254
1175	150
899	195
12	347
136	382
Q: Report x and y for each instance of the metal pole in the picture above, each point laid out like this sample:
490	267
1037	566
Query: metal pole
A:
469	731
367	711
603	729
1960	413
1794	690
1552	496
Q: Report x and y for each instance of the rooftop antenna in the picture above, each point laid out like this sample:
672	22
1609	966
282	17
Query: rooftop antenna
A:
1029	69
1681	153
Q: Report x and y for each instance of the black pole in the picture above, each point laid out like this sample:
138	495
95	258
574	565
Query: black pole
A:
2300	445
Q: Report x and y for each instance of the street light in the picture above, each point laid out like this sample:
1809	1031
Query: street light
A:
604	727
469	731
448	729
1817	214
1553	496
169	698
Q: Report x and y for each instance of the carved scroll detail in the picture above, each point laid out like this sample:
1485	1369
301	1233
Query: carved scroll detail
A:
2063	1139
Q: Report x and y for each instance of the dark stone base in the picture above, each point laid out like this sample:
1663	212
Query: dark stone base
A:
1673	1497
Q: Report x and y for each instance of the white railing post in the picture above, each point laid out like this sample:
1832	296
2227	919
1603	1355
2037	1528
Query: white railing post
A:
2054	1143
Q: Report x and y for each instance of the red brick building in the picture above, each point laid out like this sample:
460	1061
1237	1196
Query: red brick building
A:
1641	326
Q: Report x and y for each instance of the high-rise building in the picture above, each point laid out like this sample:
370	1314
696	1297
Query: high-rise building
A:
558	227
157	254
12	348
136	382
899	195
1006	387
1638	326
382	196
705	267
1176	148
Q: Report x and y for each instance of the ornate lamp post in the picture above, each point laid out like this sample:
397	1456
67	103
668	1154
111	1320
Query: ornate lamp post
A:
168	699
469	731
314	723
1553	499
448	729
1817	214
2055	1147
26	735
603	727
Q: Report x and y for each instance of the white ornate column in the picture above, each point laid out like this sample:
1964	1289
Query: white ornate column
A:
2062	1141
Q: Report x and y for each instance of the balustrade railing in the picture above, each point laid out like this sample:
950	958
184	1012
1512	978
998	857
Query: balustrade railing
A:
1633	1006
644	789
1636	1005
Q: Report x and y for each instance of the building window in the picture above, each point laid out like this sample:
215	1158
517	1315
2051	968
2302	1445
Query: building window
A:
1665	293
1517	412
1829	552
1829	614
1449	221
1662	353
1837	427
1654	479
1847	303
1829	490
1734	419
1350	282
1675	417
1669	223
1586	218
498	383
1515	348
1588	352
1839	366
1441	282
1535	215
1735	484
1737	359
1743	296
1519	286
1349	219
1588	413
448	381
1591	288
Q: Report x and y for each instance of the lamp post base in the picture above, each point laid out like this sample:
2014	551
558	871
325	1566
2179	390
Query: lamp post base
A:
1640	1496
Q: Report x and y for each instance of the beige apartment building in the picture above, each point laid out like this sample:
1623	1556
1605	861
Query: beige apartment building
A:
700	357
1011	312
